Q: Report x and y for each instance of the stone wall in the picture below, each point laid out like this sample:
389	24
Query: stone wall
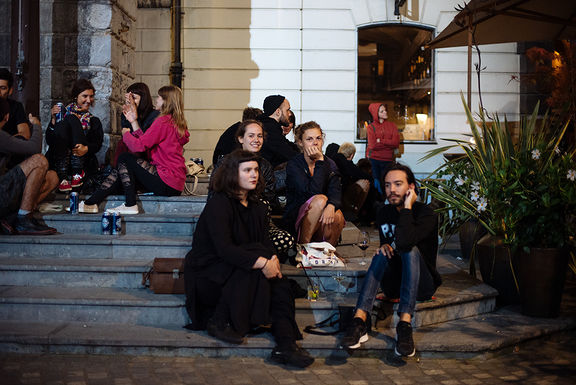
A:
5	26
93	40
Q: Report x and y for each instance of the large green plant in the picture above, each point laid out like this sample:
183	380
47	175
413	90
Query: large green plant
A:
522	188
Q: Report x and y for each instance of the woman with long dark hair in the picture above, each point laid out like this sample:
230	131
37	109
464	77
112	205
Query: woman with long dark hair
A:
138	113
233	278
165	173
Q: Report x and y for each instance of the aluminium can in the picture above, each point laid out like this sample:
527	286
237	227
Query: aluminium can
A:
60	115
106	223
116	224
74	203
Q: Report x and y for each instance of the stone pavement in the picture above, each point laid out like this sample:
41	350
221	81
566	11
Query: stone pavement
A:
550	360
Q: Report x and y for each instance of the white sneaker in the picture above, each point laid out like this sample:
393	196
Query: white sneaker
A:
84	208
125	210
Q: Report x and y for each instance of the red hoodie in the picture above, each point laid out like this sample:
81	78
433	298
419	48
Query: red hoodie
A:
383	138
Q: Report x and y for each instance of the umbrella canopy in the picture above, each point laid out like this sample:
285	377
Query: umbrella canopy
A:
504	21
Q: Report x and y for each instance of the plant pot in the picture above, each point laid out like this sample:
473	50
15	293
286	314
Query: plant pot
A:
542	273
470	232
498	268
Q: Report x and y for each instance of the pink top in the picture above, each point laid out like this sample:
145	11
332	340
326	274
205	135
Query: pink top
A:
165	148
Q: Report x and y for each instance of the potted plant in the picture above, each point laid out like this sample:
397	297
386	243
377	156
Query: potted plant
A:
521	188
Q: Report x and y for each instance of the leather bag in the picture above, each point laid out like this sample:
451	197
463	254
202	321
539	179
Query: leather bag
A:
166	276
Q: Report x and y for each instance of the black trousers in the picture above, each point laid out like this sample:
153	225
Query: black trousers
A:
130	171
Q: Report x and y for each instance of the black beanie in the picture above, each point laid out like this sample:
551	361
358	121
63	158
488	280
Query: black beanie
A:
271	104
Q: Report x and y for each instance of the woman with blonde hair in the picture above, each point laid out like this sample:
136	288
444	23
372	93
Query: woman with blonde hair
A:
165	173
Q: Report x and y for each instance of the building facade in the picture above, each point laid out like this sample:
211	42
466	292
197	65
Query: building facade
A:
236	52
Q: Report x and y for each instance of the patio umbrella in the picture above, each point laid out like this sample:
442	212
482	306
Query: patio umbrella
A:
504	21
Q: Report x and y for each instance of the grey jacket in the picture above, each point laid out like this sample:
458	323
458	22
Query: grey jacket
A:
10	145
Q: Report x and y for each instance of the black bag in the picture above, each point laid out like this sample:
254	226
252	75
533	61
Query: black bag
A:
342	318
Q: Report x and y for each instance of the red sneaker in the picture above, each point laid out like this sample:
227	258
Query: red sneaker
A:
77	180
64	186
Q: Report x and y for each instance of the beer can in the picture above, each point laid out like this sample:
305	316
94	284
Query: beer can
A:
116	224
60	115
74	203
200	161
106	223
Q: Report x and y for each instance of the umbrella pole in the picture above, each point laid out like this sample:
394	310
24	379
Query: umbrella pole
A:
469	93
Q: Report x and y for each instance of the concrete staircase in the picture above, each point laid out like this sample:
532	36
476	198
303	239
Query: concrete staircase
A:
80	291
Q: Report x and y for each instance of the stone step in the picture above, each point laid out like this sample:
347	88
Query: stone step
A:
466	338
84	246
160	225
460	296
148	204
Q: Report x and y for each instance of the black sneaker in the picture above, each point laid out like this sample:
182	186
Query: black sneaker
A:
404	341
292	355
224	332
24	225
356	334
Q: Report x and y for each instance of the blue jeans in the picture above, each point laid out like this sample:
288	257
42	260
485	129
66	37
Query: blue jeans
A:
379	168
403	276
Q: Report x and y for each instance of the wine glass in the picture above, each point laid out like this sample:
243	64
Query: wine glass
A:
339	277
363	242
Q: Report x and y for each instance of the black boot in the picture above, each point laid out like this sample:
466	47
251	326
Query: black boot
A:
24	225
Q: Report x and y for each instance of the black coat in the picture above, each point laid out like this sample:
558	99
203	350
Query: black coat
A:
228	240
276	149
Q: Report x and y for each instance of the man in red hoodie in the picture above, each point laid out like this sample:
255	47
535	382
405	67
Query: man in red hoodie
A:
383	139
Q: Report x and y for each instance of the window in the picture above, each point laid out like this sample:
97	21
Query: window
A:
395	68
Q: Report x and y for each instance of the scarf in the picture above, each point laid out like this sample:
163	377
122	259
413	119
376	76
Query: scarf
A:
84	116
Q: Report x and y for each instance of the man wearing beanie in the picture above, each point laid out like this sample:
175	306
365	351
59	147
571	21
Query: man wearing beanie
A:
276	148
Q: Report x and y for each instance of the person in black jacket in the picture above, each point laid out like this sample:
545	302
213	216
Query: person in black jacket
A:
355	182
138	113
232	276
227	141
74	141
277	149
250	136
405	264
313	190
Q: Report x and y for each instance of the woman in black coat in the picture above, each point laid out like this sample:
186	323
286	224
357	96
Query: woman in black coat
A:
74	141
233	278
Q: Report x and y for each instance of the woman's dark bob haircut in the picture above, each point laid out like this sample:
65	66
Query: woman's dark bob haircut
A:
225	178
80	86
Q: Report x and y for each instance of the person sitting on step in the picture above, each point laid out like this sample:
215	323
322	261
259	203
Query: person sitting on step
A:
313	190
404	265
165	173
74	141
250	137
25	185
232	275
140	114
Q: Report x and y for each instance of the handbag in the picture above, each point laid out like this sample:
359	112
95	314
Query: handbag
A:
193	169
318	254
341	320
166	276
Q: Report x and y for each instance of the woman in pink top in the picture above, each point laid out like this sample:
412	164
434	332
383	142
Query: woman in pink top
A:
165	173
383	139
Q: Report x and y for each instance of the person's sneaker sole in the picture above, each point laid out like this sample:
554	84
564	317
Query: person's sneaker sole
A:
362	339
404	355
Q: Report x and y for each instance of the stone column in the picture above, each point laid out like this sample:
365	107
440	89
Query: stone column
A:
94	40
